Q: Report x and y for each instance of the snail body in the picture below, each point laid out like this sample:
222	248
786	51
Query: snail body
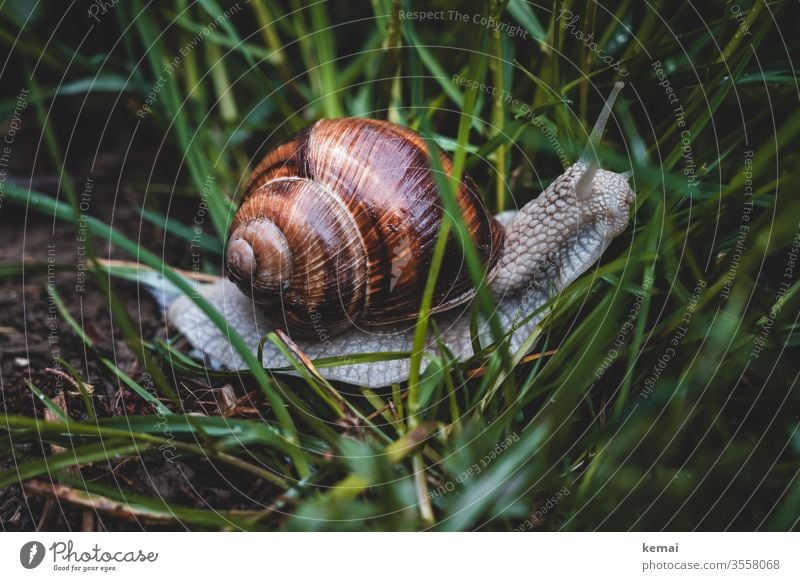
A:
539	250
338	225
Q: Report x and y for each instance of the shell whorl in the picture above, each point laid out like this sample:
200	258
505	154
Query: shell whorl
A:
357	205
311	260
259	255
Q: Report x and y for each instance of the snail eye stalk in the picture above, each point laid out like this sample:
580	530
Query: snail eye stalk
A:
600	125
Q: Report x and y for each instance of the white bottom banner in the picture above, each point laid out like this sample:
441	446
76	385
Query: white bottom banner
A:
352	556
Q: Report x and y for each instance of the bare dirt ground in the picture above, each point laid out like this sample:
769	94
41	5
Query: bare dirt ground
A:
33	335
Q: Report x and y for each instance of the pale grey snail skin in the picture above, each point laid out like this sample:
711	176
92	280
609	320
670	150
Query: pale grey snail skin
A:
549	243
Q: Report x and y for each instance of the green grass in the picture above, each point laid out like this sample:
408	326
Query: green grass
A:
662	425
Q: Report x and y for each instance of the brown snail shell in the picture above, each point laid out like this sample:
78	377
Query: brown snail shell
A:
338	226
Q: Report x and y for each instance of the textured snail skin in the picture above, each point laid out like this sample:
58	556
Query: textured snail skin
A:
548	244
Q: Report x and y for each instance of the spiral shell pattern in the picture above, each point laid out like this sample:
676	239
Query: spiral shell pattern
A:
338	226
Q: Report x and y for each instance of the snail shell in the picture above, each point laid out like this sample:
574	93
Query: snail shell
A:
548	244
338	225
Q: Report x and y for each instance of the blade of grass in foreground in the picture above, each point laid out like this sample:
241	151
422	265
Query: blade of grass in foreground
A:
78	330
43	203
190	141
119	429
105	451
120	314
497	66
137	508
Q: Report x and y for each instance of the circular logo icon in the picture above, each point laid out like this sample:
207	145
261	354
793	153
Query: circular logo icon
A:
31	554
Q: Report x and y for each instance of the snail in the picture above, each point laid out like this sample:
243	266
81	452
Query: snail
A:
333	240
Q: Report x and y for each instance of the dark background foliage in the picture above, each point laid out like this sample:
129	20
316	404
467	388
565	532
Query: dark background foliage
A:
665	390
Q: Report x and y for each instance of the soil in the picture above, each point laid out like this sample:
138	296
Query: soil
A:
33	336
